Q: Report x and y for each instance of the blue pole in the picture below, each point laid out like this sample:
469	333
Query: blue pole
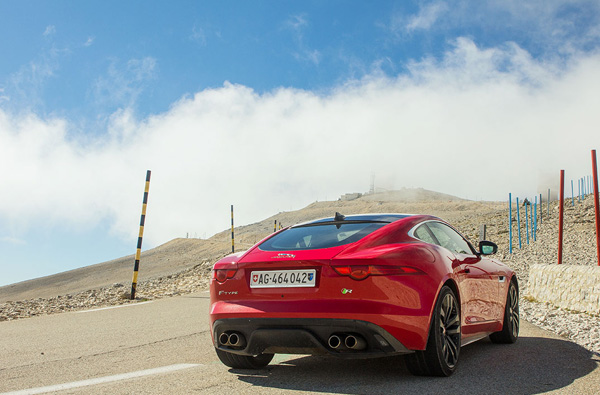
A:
578	190
510	223
535	222
572	193
527	222
531	219
519	222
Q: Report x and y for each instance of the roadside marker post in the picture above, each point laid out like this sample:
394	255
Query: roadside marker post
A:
138	252
232	237
510	223
535	221
275	227
519	222
541	210
561	215
527	222
596	203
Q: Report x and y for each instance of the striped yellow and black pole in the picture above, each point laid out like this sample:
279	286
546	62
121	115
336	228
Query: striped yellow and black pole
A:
275	226
138	252
232	238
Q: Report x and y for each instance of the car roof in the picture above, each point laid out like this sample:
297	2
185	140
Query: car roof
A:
378	217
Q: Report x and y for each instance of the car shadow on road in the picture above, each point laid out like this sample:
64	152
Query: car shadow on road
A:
532	365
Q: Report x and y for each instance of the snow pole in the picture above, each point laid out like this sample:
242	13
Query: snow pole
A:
531	220
561	215
138	252
535	221
541	210
527	222
232	236
510	223
596	206
519	223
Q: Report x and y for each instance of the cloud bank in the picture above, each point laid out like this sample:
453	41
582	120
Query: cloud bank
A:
478	123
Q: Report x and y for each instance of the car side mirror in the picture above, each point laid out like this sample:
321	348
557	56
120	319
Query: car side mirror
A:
487	247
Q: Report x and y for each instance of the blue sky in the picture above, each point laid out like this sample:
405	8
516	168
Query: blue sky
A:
271	105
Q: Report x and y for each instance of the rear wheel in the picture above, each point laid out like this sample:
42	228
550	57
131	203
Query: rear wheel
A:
443	346
510	327
244	361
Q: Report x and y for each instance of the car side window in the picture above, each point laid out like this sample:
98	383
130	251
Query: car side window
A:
449	238
422	233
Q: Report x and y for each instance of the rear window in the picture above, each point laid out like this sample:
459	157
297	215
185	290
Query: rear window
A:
310	237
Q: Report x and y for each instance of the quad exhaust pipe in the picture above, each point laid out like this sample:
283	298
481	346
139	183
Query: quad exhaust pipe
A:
351	342
334	341
232	339
355	342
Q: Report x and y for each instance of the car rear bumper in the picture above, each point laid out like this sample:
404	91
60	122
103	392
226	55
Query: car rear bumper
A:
254	336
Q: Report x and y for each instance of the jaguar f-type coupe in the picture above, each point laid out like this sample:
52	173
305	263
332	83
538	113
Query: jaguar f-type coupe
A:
362	286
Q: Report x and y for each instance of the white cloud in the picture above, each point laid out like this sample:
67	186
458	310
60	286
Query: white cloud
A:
123	83
427	16
554	27
12	240
50	30
89	41
198	35
3	97
297	24
480	122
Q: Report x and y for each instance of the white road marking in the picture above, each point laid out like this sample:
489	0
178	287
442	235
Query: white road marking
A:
114	307
103	380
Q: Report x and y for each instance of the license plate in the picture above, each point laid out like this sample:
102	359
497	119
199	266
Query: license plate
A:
283	278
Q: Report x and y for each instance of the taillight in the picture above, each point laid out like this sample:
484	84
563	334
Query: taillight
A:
360	272
221	275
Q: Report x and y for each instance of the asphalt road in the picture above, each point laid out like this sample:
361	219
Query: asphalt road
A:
172	335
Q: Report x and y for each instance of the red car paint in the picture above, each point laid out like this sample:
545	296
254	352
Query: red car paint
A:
401	305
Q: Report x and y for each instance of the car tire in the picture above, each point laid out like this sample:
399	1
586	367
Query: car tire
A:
510	327
443	345
236	361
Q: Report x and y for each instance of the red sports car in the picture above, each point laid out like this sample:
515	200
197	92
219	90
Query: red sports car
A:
362	286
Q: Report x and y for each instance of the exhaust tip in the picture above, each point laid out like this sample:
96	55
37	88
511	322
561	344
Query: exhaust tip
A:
355	342
334	341
234	339
224	339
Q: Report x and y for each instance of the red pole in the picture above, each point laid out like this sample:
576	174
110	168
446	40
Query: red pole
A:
595	175
560	215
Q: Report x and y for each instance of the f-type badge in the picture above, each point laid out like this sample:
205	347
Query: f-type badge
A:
282	255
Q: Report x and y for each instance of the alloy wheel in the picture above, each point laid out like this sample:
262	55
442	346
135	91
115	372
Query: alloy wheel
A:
450	329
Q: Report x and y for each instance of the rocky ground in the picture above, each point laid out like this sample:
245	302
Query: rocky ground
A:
579	248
